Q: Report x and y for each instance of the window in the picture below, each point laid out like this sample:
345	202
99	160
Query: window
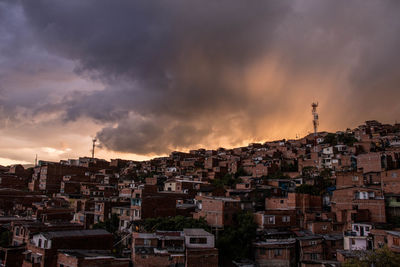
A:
353	241
40	243
262	251
17	231
314	256
286	219
324	227
394	175
396	241
367	228
282	201
45	243
313	242
147	242
198	240
354	178
270	219
277	252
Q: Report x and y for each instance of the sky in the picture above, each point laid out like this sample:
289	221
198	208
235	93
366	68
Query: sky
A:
150	77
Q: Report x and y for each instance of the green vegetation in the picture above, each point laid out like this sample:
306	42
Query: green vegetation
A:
322	180
111	225
379	258
5	238
177	223
235	242
343	138
228	180
309	172
290	167
240	172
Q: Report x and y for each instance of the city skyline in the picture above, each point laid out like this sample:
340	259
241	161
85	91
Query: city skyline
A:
150	78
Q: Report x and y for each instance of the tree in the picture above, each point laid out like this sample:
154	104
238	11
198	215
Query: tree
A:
5	238
227	180
344	138
309	171
240	172
379	258
235	241
331	139
111	225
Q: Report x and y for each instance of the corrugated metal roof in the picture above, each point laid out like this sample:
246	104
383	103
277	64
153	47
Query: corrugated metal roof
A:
72	233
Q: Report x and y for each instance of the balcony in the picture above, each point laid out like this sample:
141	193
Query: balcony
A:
393	204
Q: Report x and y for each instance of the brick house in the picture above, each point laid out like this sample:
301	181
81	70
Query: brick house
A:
332	243
347	179
393	240
369	162
217	211
275	252
158	249
42	249
102	209
89	258
50	175
359	237
275	219
310	248
200	248
190	247
23	231
354	204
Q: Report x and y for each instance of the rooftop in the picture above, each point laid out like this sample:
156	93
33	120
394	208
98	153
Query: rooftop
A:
196	232
72	233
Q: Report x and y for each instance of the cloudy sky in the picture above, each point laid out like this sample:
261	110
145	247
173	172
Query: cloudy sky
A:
149	77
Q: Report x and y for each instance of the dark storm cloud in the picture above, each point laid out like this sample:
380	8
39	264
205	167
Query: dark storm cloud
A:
165	61
178	74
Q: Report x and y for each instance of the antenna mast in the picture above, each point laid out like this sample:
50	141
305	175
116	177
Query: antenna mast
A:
94	145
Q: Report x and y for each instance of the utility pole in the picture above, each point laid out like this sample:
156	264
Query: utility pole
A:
315	123
94	145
